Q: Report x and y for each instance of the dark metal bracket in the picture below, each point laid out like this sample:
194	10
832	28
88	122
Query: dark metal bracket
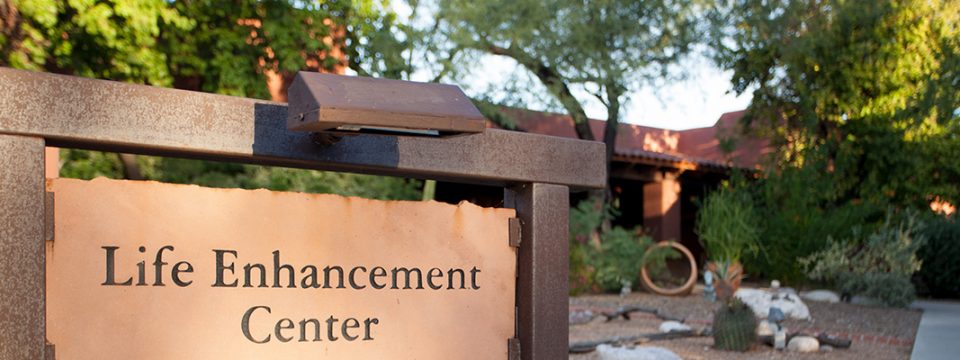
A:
515	232
49	225
513	349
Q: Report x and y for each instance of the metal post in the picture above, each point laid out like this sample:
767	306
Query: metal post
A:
542	283
22	318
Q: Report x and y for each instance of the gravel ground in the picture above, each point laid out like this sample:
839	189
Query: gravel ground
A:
875	323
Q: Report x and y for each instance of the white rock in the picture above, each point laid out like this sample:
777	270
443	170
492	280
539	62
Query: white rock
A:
761	301
607	352
764	328
803	344
580	317
774	285
669	326
780	339
821	296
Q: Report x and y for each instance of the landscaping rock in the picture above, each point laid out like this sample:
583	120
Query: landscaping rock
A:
608	352
821	296
670	326
580	317
761	301
764	328
803	344
826	348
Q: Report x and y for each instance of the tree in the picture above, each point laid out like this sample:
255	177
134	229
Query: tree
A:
231	48
868	90
605	48
862	101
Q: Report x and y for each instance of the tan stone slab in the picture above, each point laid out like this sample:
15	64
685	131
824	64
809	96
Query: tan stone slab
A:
89	320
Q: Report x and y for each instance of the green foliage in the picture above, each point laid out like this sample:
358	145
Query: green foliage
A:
734	326
237	43
114	40
801	209
878	265
940	274
862	103
87	165
889	288
91	164
581	273
728	224
865	92
617	259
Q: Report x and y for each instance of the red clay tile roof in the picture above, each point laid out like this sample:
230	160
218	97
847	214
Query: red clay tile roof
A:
688	149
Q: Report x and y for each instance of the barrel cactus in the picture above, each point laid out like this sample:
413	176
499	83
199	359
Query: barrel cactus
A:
734	326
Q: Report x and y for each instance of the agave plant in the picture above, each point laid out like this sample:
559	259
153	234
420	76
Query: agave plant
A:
729	274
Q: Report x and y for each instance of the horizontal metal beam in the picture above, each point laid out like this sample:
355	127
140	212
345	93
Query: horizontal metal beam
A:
105	115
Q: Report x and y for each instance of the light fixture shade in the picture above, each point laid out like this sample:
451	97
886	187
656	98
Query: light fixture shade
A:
349	104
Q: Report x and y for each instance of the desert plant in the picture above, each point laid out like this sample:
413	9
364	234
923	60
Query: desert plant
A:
728	277
734	326
619	258
878	265
581	272
890	289
615	261
940	274
728	224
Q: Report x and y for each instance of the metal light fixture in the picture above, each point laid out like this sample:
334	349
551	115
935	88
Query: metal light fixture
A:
352	105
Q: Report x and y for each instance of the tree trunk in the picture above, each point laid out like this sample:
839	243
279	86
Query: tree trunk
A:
610	131
131	169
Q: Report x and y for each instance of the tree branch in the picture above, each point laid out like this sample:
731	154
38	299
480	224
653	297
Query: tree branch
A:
555	83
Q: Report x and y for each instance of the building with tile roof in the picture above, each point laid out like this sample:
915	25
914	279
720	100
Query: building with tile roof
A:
656	174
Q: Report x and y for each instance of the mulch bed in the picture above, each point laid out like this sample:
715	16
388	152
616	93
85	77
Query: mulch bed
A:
877	332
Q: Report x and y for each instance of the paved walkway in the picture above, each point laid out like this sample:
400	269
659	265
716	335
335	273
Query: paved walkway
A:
939	334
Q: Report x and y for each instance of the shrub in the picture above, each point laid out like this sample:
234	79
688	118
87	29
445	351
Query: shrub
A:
940	274
581	273
616	260
619	258
728	224
877	266
891	289
801	208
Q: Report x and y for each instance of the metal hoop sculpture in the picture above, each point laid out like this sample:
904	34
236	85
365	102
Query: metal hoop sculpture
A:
687	286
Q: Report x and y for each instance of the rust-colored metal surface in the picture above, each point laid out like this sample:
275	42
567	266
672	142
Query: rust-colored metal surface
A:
320	102
21	248
543	272
96	114
135	273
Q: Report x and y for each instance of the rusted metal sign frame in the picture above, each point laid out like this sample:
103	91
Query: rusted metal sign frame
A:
38	109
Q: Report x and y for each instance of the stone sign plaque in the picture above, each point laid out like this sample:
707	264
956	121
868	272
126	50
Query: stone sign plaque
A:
144	270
